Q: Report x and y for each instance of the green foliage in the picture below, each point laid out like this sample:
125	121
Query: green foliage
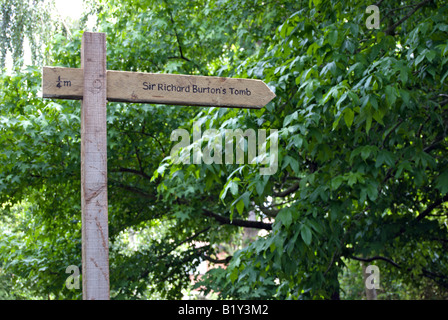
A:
362	155
22	22
367	184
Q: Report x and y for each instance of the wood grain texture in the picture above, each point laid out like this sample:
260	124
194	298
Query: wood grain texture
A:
176	89
155	88
95	239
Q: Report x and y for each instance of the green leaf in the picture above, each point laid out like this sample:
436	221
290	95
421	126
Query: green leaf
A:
385	157
233	275
366	151
442	182
285	216
368	122
297	140
333	37
306	235
404	165
293	163
316	226
430	55
420	58
259	186
240	206
367	83
404	73
348	45
373	101
391	96
289	118
336	182
341	99
372	190
443	78
233	185
354	177
349	115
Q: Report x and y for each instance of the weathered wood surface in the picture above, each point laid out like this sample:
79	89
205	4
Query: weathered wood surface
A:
62	83
155	88
95	240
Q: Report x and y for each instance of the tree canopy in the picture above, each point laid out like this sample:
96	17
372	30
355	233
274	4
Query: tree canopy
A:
362	175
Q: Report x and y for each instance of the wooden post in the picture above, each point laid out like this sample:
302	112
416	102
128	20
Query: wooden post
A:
95	239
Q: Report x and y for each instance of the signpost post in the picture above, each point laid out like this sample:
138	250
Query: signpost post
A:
95	86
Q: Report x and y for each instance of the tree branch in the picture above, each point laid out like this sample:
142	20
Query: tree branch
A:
433	276
179	44
392	28
225	261
376	258
292	92
138	172
147	134
431	207
433	146
184	241
193	236
133	189
238	222
143	174
181	57
177	37
269	212
392	130
288	191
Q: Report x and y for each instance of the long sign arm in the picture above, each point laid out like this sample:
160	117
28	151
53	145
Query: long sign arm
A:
155	88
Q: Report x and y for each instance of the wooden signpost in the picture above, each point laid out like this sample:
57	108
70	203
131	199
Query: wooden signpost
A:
95	86
171	89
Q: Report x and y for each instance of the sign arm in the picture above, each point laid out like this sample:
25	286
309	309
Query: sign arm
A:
157	88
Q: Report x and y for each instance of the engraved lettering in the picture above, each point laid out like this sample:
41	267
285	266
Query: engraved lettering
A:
148	86
242	92
194	88
63	83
